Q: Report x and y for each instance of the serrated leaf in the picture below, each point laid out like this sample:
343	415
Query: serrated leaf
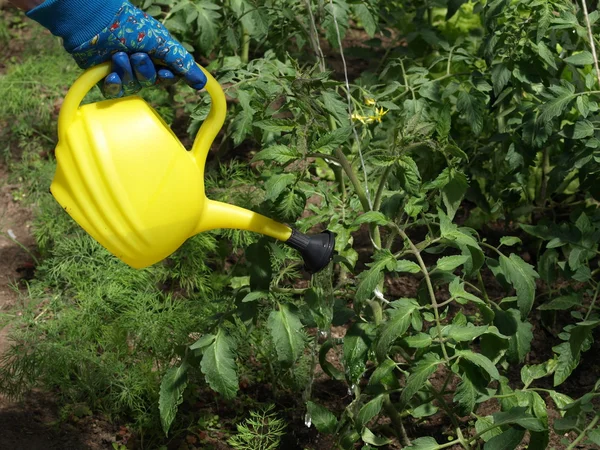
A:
403	265
583	58
519	416
519	343
562	302
508	440
563	95
472	106
500	77
583	105
207	21
566	363
535	372
421	373
332	140
371	217
279	153
356	345
395	327
170	397
383	371
285	327
218	366
522	276
420	340
449	263
546	54
369	410
466	395
334	105
277	183
462	333
322	418
484	423
275	125
481	361
583	129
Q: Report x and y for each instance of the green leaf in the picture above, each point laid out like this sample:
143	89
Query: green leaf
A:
420	340
279	153
332	140
535	372
466	394
583	58
500	77
333	104
508	440
369	410
218	366
421	373
207	21
457	290
560	400
277	183
583	129
519	343
275	125
371	217
382	373
449	263
370	438
369	279
509	241
366	18
203	342
583	105
403	265
481	361
562	303
518	416
484	423
563	95
285	328
461	333
522	276
170	397
566	363
546	54
454	191
472	106
395	327
356	346
255	295
594	436
423	443
322	418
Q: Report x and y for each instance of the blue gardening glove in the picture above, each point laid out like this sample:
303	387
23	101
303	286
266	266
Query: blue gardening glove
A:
95	31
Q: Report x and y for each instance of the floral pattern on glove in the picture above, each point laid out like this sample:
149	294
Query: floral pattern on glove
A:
132	31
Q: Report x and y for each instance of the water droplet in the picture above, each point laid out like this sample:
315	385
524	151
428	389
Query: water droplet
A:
322	333
307	420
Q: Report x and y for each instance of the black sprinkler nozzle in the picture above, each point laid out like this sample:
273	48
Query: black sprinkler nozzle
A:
316	250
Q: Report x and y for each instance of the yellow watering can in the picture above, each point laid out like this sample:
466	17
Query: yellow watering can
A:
127	180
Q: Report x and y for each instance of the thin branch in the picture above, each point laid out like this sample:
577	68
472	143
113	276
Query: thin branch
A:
591	38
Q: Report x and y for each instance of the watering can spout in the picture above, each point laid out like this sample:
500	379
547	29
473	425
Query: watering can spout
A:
316	250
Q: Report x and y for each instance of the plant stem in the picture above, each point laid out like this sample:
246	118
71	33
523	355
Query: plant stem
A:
591	38
396	420
482	288
362	197
425	272
245	45
591	308
591	425
382	181
545	176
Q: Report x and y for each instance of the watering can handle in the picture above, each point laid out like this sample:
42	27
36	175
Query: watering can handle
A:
208	131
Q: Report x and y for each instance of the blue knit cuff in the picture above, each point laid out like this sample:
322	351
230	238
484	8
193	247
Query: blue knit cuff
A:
76	21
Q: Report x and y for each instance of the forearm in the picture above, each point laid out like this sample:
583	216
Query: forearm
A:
26	5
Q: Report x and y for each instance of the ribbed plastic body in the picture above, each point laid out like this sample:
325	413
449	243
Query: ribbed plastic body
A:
128	181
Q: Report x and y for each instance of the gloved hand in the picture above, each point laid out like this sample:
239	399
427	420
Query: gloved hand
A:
95	31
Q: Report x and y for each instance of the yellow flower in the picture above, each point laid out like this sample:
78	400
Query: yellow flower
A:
361	119
379	113
369	101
